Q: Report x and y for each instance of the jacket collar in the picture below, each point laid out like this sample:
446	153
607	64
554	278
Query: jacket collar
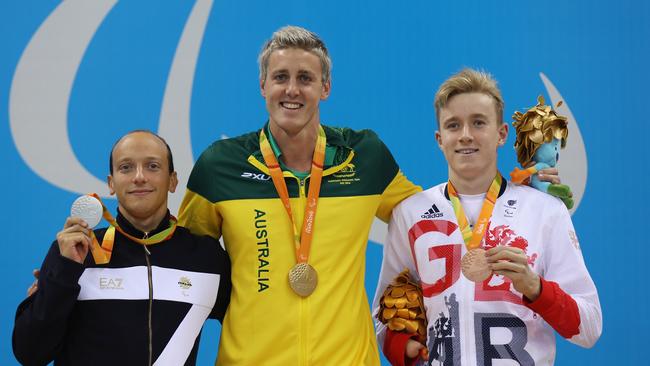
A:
131	230
334	139
502	189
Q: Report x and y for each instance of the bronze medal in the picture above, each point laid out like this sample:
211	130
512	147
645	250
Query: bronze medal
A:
303	279
474	265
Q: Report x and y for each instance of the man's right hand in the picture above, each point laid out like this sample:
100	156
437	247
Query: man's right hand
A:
34	286
74	240
415	349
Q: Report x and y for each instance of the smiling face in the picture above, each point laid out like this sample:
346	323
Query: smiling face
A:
141	178
469	136
293	90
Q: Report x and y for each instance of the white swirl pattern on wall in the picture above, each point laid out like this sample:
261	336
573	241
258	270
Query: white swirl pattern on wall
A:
40	94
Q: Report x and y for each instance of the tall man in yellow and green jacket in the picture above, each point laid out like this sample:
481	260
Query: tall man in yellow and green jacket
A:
231	194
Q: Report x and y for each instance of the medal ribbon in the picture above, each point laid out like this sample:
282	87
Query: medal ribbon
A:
473	238
302	240
102	255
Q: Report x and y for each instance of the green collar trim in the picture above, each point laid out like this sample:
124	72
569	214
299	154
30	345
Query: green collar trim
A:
330	153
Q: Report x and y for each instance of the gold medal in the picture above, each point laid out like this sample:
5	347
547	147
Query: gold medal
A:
475	266
303	279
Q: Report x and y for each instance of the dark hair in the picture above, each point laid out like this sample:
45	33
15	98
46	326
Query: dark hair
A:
170	159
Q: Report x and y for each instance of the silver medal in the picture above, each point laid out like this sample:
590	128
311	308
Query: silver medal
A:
87	208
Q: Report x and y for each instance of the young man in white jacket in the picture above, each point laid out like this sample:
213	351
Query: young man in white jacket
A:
525	257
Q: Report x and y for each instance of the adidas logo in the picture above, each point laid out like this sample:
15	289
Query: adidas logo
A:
432	213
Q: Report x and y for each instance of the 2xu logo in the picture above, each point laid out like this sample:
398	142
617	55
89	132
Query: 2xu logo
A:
255	176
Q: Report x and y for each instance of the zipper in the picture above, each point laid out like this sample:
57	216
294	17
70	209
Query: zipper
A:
301	183
303	306
470	325
150	280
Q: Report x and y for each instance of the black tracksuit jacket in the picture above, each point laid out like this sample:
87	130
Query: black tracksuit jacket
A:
146	306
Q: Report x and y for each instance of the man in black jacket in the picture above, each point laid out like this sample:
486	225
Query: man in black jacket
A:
143	296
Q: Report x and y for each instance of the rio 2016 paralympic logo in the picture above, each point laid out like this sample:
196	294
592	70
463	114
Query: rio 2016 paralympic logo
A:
46	73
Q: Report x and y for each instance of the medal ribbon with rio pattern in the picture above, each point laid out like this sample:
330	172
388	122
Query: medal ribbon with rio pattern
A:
102	254
473	238
302	240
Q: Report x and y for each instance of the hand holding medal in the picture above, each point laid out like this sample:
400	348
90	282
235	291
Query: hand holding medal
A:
512	262
86	212
76	237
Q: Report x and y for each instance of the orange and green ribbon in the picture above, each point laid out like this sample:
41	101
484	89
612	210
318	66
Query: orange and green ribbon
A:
102	254
303	239
473	238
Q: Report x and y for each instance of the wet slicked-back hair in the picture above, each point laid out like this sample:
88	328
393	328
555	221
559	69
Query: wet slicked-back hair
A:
469	81
295	37
170	158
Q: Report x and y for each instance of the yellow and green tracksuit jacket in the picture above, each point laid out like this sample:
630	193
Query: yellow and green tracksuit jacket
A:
230	193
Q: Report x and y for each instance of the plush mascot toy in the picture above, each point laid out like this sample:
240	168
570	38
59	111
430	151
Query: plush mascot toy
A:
401	308
540	135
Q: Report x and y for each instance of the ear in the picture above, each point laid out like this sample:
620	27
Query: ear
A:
173	182
262	88
325	92
503	134
438	139
109	181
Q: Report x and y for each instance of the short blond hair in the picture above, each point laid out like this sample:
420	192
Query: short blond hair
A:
295	37
469	81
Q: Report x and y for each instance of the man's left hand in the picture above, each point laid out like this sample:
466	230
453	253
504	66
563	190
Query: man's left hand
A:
512	262
550	175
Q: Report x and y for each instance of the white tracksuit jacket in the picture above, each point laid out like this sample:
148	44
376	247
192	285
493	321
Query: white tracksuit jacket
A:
476	324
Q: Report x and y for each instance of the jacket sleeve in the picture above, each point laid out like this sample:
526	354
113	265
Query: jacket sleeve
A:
397	257
198	211
199	215
399	189
396	187
395	348
569	300
42	319
225	285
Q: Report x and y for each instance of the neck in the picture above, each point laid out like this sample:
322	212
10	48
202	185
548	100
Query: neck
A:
297	149
147	224
473	185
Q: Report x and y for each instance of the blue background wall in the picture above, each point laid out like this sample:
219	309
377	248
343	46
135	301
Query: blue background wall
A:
389	57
